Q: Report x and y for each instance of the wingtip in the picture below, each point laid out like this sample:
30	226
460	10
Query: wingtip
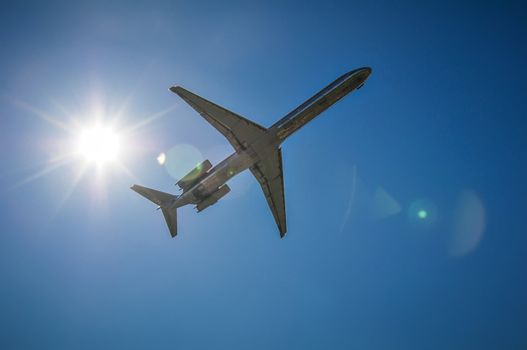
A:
175	89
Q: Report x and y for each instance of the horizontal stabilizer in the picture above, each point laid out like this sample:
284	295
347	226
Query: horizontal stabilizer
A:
162	199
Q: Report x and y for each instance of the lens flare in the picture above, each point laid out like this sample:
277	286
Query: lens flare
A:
468	225
161	158
422	213
181	159
383	205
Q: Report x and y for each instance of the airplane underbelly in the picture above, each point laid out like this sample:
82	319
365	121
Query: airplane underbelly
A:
221	174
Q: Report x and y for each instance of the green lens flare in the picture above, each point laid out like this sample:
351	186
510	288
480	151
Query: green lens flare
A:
422	213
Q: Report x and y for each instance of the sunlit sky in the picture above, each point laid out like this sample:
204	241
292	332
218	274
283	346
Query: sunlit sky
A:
405	202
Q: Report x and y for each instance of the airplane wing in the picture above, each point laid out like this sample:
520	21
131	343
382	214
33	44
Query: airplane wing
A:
269	174
237	129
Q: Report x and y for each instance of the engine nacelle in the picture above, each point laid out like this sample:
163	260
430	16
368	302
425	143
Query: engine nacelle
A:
213	198
194	175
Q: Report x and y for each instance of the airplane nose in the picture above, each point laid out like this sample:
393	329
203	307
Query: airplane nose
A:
362	75
365	71
358	77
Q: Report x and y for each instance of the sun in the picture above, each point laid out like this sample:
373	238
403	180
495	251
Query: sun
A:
97	139
98	144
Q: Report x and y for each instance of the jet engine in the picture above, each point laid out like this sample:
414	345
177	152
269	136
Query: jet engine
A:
194	175
213	198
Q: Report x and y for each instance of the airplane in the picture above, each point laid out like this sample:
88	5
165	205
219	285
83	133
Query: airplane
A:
256	148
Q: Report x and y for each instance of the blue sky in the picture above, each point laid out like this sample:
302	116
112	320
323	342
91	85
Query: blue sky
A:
440	126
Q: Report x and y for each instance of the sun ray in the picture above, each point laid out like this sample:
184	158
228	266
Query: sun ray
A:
40	114
69	191
149	119
67	113
124	105
32	167
127	171
46	170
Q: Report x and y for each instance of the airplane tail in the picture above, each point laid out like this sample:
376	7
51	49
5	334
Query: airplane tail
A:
164	201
